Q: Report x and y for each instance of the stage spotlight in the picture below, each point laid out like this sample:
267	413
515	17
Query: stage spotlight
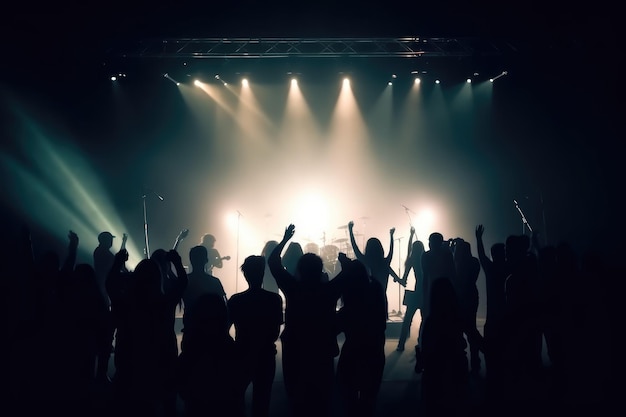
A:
294	82
113	78
166	75
197	83
437	81
469	81
389	83
346	82
498	76
244	82
417	81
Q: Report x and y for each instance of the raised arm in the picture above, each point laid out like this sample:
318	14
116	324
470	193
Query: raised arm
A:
72	249
355	247
408	265
410	244
113	284
275	263
480	246
392	231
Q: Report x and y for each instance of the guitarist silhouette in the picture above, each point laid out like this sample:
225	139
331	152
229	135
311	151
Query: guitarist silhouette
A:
215	259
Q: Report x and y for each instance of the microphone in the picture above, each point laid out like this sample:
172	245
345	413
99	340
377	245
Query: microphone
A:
160	197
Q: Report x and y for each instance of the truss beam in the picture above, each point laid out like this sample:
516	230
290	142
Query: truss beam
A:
223	48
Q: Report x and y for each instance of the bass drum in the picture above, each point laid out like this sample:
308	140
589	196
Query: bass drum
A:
329	253
312	248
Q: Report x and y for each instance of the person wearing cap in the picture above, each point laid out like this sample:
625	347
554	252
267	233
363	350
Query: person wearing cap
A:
103	260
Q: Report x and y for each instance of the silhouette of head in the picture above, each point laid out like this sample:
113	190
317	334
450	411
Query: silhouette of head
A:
463	250
417	248
208	240
435	241
515	248
253	269
374	248
198	256
147	276
268	248
160	256
105	239
292	255
309	268
498	252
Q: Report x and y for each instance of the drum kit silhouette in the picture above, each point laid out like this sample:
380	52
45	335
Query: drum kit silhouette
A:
330	252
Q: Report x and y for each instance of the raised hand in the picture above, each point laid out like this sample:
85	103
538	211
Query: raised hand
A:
73	237
289	232
351	224
392	231
412	231
343	259
479	231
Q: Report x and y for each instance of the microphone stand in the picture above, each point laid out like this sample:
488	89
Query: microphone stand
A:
399	312
237	254
524	220
145	221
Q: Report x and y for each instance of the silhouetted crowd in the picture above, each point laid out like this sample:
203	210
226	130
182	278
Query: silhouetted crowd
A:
66	321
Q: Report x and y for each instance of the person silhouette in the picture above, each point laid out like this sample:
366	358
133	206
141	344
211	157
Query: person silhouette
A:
103	260
269	282
211	377
215	259
413	299
199	281
291	257
437	262
467	269
445	382
143	346
309	339
378	265
362	319
496	272
257	315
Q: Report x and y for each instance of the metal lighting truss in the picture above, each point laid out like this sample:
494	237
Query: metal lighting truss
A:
228	48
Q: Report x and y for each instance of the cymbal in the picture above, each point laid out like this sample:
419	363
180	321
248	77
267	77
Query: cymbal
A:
340	240
343	227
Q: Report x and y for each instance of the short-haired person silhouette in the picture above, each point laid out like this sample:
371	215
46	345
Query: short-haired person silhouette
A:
362	319
437	262
445	382
210	372
257	315
309	339
199	281
103	260
215	259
